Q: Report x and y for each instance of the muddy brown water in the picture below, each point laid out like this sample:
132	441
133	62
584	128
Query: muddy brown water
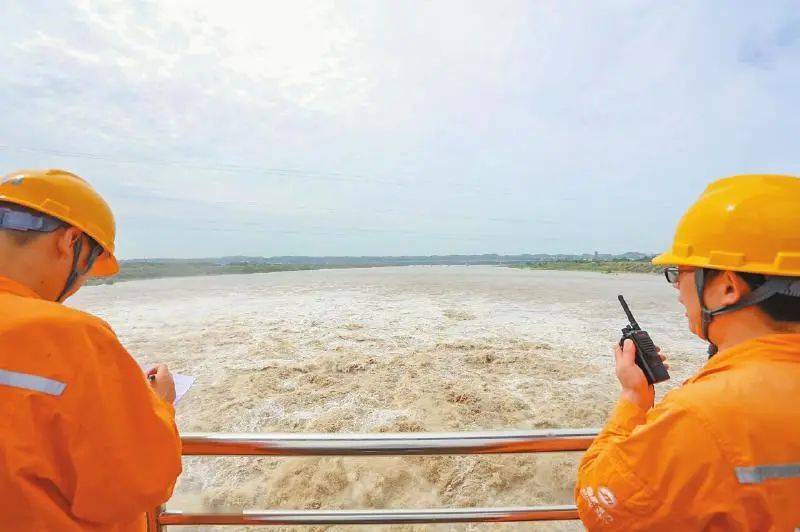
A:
421	348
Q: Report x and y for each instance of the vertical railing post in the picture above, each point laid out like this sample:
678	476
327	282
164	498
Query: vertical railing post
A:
153	522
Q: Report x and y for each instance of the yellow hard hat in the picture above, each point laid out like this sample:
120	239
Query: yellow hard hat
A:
745	223
69	198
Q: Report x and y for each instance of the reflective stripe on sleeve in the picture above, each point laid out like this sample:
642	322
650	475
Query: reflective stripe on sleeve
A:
31	382
758	474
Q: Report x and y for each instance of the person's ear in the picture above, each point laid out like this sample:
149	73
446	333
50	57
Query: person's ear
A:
732	288
65	243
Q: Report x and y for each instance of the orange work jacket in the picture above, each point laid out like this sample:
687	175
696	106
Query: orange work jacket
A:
720	453
85	443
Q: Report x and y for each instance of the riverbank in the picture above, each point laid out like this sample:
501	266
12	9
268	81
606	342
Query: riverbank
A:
616	266
142	269
138	271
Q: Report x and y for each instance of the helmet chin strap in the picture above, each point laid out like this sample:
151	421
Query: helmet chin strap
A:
75	271
73	274
789	286
706	315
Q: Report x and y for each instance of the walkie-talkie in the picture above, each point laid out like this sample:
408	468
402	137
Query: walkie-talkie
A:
647	356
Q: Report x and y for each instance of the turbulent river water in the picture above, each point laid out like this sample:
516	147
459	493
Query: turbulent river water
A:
421	348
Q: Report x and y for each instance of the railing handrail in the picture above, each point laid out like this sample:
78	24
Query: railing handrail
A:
373	517
387	444
377	444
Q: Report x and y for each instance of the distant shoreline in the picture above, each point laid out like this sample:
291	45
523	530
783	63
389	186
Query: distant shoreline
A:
141	271
158	269
619	266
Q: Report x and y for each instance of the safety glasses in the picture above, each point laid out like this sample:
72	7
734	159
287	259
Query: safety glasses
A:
673	274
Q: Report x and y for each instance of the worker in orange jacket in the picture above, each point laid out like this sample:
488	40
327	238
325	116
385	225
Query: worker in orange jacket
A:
722	452
87	441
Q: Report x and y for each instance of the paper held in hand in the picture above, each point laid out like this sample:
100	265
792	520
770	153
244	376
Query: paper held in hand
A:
182	385
182	382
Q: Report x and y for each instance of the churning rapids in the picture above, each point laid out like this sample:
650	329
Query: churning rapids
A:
440	348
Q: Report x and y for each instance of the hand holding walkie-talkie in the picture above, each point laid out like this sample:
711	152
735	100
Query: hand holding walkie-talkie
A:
647	356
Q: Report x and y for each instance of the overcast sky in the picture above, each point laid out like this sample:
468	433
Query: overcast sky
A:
386	128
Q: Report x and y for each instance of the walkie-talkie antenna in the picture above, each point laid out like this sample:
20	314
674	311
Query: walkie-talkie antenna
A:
628	313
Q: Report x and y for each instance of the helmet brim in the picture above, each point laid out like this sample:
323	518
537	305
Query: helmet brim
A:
787	268
668	259
106	265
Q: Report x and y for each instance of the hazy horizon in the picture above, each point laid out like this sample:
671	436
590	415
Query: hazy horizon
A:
252	256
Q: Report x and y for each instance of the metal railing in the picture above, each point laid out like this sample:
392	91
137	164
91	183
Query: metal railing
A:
397	444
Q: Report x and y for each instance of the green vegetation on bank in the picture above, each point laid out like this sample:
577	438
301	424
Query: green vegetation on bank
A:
132	271
612	266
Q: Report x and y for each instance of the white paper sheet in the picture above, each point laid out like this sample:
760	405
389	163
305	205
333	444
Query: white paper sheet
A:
182	385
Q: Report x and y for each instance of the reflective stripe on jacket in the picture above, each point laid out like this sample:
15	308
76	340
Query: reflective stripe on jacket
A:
85	444
720	453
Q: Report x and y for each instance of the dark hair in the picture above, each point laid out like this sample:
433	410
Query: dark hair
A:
20	238
779	307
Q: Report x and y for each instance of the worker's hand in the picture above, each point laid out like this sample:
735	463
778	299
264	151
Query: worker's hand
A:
161	380
634	384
